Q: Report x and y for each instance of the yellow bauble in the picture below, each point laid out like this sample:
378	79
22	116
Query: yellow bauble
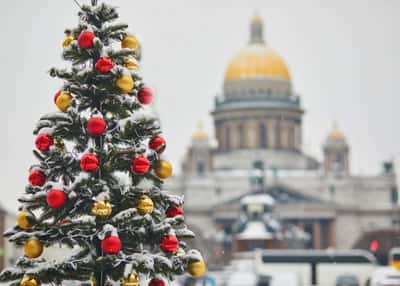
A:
163	169
29	281
33	248
131	64
23	221
67	41
145	205
63	101
102	209
125	83
132	280
130	42
197	269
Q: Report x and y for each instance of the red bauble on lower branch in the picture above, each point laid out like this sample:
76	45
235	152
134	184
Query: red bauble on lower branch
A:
157	144
173	211
145	95
37	178
56	198
43	142
111	244
96	126
169	243
85	39
156	282
89	163
104	64
140	165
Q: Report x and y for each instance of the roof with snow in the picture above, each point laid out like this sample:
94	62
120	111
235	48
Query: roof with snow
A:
255	230
257	199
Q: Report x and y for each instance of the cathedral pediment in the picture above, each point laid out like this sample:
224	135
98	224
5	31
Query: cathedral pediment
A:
282	195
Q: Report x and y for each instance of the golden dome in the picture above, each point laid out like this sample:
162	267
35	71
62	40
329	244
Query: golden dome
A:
257	59
335	133
200	134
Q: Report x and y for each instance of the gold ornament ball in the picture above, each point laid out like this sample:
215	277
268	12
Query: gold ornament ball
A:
132	280
197	269
33	248
29	281
102	209
63	101
131	64
67	41
130	42
23	221
125	83
145	205
163	169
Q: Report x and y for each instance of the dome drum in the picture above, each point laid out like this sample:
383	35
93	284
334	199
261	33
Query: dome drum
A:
257	101
253	86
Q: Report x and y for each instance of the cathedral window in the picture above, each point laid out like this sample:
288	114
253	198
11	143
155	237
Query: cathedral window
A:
291	138
242	137
200	168
227	138
394	196
262	136
278	135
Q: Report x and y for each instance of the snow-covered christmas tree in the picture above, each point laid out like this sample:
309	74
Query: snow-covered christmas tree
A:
97	186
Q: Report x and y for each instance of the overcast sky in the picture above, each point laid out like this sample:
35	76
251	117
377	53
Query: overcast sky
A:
343	57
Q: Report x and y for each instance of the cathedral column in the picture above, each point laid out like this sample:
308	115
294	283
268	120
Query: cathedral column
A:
272	133
284	134
316	235
297	134
224	144
332	234
252	134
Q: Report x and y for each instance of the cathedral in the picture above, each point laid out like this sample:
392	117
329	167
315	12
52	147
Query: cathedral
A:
258	128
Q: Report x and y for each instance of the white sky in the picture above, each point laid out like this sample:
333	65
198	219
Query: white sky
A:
342	55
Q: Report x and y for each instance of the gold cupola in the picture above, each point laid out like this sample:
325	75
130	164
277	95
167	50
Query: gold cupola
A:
200	133
257	59
335	133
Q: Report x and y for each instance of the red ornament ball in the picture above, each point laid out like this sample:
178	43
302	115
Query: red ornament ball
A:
169	243
158	144
37	178
156	282
96	126
56	198
89	163
145	95
104	64
43	142
85	39
111	244
173	211
140	165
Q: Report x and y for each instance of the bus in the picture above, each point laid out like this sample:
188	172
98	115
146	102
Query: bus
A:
314	267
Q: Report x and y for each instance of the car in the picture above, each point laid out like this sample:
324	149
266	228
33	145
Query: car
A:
347	280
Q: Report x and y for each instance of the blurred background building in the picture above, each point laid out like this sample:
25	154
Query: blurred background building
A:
258	172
